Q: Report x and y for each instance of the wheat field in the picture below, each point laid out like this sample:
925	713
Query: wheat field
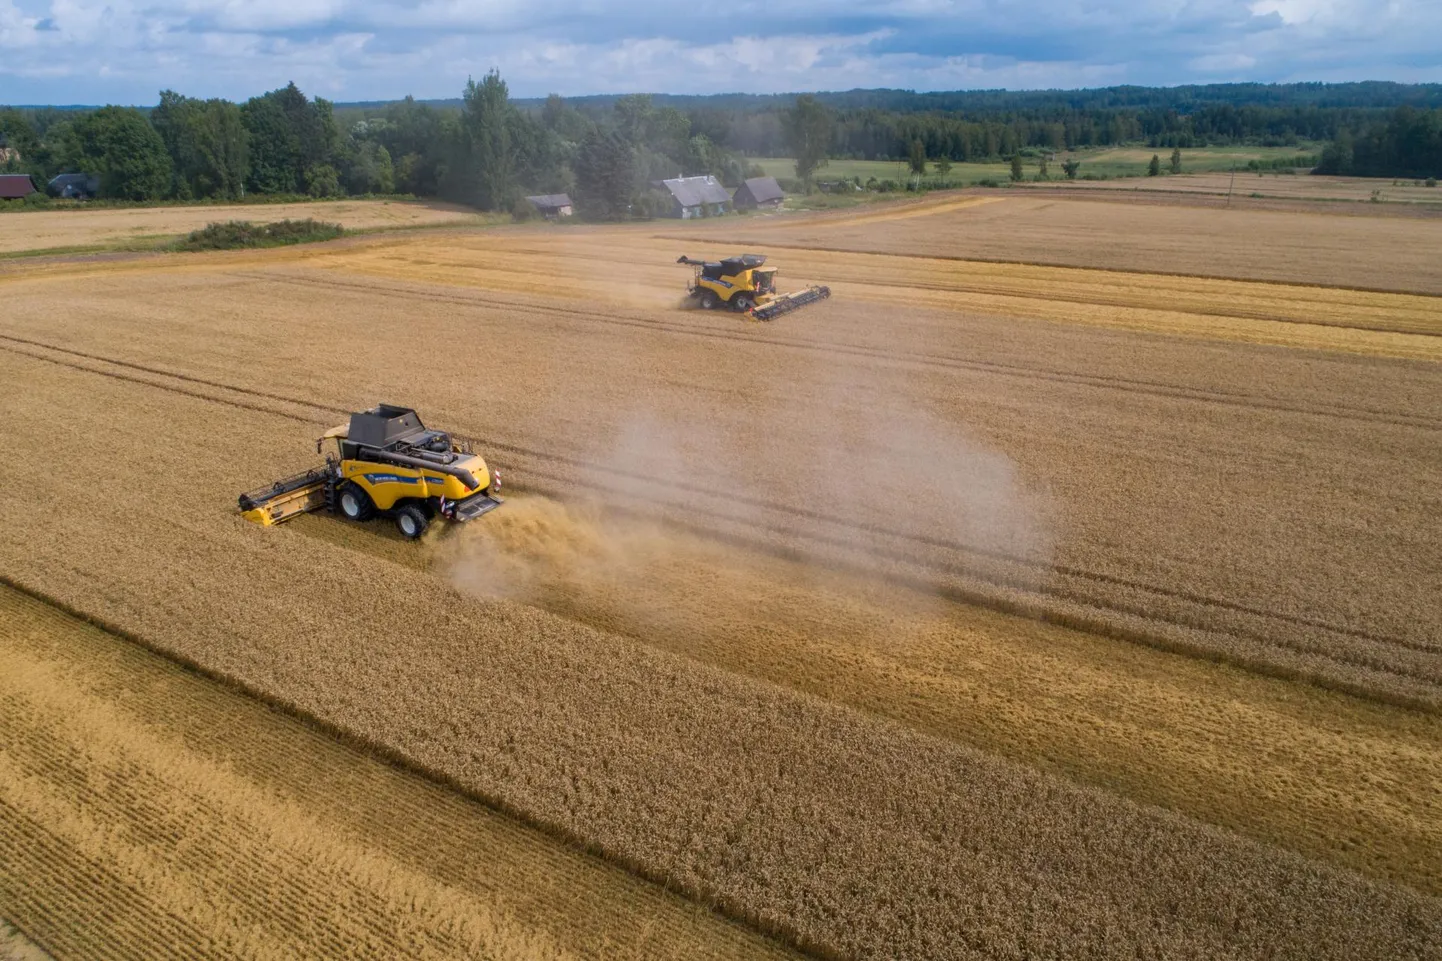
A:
985	610
81	228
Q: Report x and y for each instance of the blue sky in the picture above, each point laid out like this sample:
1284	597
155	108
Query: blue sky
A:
125	51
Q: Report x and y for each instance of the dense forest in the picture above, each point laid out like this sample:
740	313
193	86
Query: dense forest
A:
489	150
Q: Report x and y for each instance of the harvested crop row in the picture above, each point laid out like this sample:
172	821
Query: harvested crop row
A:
839	831
1212	498
148	801
1110	714
1369	253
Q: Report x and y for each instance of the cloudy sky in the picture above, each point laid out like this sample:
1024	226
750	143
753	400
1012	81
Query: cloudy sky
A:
124	51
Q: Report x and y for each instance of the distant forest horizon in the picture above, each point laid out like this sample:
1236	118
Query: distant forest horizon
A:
1323	95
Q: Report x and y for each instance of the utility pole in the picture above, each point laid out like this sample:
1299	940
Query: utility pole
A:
1230	183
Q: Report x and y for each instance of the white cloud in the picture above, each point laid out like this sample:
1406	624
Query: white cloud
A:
126	50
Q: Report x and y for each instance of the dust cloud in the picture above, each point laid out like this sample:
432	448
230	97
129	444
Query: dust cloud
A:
861	470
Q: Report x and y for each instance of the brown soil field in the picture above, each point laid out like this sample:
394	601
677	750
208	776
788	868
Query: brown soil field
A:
1246	183
1294	247
206	822
109	227
744	628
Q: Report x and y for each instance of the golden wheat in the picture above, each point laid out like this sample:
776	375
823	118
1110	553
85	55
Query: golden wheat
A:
840	832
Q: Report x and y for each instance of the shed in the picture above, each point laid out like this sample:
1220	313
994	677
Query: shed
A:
552	206
16	186
759	192
697	197
80	186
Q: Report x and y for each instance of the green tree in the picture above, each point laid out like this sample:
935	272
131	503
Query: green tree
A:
605	175
1176	160
1070	168
489	152
17	134
1016	171
207	142
121	146
1155	167
1041	173
943	165
916	158
808	132
289	137
371	172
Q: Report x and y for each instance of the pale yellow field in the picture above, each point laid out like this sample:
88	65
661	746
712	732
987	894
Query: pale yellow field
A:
984	609
101	228
1266	183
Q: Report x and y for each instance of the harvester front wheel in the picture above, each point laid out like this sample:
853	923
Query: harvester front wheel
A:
411	521
355	503
743	302
709	300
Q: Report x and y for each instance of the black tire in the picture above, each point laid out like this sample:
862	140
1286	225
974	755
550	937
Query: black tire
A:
411	521
354	503
709	300
743	302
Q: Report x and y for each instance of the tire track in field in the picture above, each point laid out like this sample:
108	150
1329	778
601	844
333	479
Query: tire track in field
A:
987	589
1054	265
944	362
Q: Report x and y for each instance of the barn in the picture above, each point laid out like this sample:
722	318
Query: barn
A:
762	193
697	197
552	206
16	186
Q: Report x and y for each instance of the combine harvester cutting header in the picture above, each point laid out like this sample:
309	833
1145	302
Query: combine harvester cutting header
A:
742	284
386	461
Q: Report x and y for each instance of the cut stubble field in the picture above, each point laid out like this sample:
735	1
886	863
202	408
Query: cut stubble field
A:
748	625
82	229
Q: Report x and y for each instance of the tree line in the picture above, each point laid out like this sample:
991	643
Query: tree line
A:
485	151
489	150
1408	143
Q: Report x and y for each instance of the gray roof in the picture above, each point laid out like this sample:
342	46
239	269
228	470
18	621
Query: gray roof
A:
550	200
763	189
695	191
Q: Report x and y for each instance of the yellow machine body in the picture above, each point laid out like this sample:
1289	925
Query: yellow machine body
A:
385	461
741	283
388	484
757	285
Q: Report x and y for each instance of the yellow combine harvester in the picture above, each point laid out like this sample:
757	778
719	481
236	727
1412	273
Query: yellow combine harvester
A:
743	284
385	461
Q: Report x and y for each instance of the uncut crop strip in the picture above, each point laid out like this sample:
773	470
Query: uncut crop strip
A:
833	348
1355	661
808	820
141	802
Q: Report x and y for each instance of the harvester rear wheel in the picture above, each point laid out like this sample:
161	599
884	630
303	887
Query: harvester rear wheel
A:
411	521
709	300
354	503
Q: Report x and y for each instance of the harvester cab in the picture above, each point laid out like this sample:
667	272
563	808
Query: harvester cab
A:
743	284
385	461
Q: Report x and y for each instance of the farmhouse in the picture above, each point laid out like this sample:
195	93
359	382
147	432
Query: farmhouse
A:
697	197
759	193
16	186
79	186
552	206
